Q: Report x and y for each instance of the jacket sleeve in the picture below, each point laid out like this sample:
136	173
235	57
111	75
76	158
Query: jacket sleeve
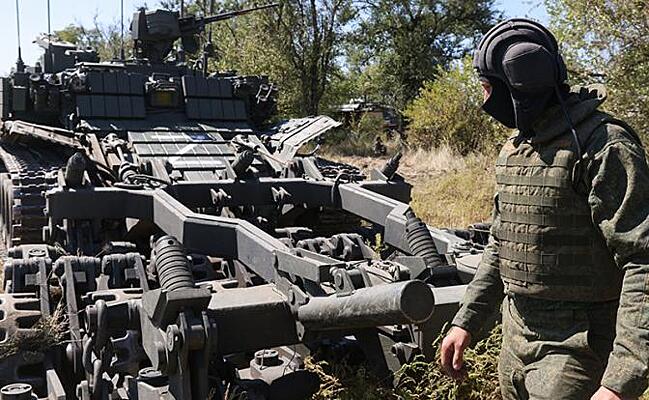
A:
619	201
485	292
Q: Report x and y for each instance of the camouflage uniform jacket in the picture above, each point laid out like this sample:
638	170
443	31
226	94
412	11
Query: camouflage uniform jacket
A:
615	179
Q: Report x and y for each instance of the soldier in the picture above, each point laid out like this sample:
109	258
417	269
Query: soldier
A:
568	254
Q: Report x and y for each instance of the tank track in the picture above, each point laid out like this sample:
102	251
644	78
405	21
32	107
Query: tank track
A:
19	340
28	174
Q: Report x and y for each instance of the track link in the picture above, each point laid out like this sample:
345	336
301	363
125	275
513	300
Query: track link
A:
29	173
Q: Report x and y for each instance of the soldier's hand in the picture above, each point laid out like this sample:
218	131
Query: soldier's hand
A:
606	394
452	353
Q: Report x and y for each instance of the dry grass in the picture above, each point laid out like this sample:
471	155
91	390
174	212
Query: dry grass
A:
415	164
457	198
449	190
45	334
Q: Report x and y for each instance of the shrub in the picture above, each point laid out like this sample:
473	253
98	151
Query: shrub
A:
447	112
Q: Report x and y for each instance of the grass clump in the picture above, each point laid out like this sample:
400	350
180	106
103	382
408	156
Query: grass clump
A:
421	380
418	380
45	334
344	381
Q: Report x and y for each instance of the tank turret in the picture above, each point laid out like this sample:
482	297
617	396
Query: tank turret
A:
155	32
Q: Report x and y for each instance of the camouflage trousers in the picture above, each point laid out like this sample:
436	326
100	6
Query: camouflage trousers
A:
554	350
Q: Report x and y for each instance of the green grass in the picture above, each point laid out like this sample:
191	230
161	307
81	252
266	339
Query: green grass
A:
419	380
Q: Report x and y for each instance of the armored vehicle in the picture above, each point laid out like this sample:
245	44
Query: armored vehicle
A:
165	241
357	108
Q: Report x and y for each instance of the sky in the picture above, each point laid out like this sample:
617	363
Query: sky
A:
33	20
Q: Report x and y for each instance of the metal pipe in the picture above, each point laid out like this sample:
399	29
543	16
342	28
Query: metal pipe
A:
396	303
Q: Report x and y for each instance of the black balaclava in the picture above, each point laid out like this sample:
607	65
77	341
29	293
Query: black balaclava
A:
520	59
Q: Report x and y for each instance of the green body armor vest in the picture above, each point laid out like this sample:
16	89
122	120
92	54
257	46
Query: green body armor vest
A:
549	246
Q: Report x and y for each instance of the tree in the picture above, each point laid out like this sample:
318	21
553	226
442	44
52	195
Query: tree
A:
303	40
104	38
606	41
405	40
298	44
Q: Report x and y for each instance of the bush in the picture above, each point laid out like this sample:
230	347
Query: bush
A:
447	112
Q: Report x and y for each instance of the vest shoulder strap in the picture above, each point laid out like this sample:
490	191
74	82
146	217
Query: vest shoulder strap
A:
586	128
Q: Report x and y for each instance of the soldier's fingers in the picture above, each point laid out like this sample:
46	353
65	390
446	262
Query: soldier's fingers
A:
446	354
458	356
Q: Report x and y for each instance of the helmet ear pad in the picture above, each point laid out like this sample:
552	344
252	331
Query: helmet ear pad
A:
530	67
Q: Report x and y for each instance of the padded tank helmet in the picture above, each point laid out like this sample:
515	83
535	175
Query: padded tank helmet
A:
520	59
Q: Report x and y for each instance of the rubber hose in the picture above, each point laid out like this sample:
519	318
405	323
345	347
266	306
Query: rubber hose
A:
421	242
390	168
74	170
243	161
172	265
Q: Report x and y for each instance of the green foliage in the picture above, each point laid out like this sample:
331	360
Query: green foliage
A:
422	380
359	138
606	40
298	45
104	38
370	125
400	43
418	380
447	112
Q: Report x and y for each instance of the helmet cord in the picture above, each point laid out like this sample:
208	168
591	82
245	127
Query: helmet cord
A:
576	172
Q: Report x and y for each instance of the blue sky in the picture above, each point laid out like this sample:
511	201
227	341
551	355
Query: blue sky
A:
34	20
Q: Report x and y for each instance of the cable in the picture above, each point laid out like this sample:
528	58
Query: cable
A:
576	173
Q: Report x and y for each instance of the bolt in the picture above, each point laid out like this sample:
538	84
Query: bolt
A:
16	391
151	376
267	358
36	252
173	338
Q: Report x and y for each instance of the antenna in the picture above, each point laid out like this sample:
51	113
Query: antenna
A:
211	13
20	65
121	44
49	22
207	47
181	50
